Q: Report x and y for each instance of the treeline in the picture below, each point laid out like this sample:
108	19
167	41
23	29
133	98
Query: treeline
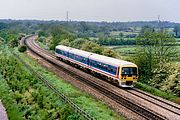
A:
81	28
109	41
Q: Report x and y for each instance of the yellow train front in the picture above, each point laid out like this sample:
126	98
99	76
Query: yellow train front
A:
120	72
128	76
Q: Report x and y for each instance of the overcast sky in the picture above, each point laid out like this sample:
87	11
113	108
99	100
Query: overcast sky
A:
91	10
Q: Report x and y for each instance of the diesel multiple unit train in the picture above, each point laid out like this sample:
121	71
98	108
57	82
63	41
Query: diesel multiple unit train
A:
123	73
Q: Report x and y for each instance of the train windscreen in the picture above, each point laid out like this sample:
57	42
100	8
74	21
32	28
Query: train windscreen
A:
129	71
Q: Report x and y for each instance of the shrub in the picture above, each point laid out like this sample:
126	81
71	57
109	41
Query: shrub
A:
22	48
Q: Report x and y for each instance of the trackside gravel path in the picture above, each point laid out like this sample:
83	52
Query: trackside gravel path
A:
3	114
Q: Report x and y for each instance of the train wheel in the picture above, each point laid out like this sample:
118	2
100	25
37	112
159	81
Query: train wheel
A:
109	79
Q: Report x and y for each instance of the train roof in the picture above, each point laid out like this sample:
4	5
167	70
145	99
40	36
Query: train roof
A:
62	47
81	52
111	61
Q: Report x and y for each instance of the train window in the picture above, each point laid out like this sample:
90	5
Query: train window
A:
76	57
65	54
95	64
114	70
84	60
98	65
71	55
129	70
109	69
90	63
105	67
58	51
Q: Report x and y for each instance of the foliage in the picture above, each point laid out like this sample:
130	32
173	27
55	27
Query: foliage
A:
115	41
6	95
7	36
41	39
41	33
109	53
14	43
91	47
171	80
35	101
77	43
146	29
177	31
22	48
156	49
59	34
93	106
65	42
10	38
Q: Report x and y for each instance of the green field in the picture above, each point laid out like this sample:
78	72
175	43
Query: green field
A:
127	51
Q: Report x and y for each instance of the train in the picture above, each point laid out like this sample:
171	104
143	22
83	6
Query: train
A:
119	72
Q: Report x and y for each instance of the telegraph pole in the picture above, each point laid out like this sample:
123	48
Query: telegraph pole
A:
159	21
67	16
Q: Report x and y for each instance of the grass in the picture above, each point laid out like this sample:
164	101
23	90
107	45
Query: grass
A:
125	48
129	50
93	106
116	33
178	50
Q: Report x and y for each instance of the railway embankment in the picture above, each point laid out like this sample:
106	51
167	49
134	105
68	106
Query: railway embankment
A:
161	111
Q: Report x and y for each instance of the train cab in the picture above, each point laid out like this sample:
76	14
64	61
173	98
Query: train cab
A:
128	75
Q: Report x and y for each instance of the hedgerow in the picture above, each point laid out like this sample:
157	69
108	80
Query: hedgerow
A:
34	100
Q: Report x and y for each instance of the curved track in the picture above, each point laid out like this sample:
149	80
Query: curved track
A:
130	97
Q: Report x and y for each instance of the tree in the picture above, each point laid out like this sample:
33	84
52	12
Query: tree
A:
121	35
177	31
156	48
65	42
14	43
109	53
22	48
58	34
92	47
77	43
41	33
145	29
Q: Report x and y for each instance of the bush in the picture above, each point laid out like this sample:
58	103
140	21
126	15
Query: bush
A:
33	100
22	48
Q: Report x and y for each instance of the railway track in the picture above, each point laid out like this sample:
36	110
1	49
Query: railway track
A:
174	108
114	95
84	114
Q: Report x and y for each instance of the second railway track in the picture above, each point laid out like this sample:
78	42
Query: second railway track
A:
142	110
